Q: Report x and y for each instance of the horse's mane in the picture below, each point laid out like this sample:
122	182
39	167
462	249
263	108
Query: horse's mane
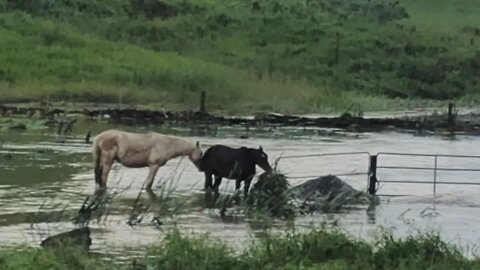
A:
175	145
172	138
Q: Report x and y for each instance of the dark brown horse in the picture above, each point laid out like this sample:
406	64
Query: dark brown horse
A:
232	163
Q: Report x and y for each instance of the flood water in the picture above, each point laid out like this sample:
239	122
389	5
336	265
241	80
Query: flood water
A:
43	179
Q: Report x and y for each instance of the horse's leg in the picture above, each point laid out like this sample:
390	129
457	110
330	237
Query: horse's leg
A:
208	181
107	162
247	186
151	175
218	181
238	182
98	174
98	166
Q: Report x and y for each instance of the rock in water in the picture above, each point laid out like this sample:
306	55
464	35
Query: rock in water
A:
18	126
75	238
328	193
273	193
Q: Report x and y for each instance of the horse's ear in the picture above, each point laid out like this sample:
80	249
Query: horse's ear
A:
198	144
260	148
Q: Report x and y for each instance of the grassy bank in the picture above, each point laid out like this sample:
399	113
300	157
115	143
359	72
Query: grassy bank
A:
288	56
315	249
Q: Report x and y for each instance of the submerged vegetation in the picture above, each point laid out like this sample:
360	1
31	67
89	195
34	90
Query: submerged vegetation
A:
283	55
314	249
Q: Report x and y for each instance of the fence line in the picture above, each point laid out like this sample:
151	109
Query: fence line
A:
324	155
373	181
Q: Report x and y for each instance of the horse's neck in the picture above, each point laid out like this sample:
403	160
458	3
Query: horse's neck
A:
177	147
184	150
245	152
244	155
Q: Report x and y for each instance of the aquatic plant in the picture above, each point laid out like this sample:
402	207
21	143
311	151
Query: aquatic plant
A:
271	195
21	124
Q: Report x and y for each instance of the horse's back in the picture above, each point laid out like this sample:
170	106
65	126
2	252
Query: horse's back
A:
141	141
107	138
224	160
219	151
124	139
107	133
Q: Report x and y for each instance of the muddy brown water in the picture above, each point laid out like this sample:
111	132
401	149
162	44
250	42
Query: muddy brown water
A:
43	178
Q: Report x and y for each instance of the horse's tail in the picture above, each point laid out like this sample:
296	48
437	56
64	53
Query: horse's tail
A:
96	162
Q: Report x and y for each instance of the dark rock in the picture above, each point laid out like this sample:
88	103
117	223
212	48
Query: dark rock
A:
272	192
19	126
328	193
138	265
75	238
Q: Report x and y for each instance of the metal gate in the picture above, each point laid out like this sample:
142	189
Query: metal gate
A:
430	165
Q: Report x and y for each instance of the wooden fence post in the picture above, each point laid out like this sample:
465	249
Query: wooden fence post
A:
203	97
372	175
451	118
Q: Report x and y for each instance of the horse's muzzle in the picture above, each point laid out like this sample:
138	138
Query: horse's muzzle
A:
267	169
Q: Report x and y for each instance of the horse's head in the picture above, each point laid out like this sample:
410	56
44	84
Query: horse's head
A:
261	159
196	156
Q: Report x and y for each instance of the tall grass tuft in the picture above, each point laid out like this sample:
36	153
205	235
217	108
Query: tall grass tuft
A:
316	248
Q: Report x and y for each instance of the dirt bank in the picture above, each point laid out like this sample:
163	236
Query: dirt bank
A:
468	123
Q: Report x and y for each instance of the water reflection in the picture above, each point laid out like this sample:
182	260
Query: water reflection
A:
371	212
204	200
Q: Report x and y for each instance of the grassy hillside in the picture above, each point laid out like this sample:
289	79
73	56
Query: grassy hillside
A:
288	55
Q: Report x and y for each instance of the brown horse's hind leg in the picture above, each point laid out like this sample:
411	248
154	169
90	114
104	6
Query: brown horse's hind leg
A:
98	174
98	167
151	176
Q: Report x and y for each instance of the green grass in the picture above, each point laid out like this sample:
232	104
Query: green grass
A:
273	55
313	249
31	258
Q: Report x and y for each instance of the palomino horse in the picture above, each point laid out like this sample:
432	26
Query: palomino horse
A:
137	150
232	163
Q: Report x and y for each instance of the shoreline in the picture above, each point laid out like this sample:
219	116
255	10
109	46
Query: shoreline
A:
465	121
311	249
